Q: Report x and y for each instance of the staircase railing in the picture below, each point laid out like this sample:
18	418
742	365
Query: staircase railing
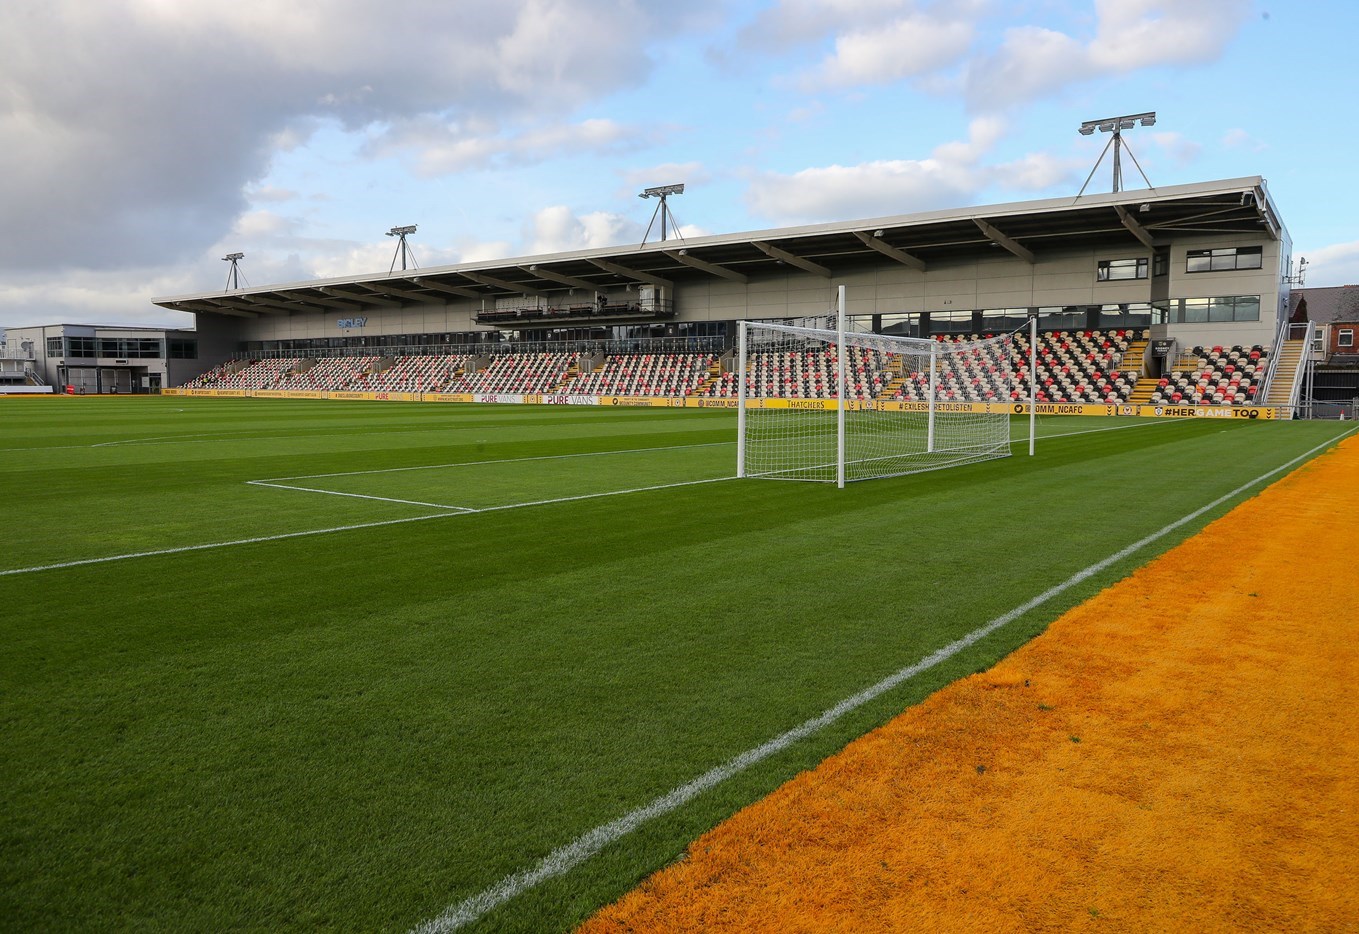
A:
1276	351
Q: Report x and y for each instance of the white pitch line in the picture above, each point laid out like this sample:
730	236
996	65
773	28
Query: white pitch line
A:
502	460
240	541
453	512
1089	431
567	857
385	499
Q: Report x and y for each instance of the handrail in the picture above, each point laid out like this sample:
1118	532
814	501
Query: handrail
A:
1280	338
1302	364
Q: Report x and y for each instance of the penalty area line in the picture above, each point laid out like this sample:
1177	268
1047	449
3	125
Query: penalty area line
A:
384	499
567	857
210	545
452	512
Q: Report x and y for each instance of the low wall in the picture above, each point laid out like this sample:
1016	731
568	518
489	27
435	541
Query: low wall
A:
703	402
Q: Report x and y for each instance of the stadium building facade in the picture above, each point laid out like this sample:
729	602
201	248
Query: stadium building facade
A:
1196	264
99	358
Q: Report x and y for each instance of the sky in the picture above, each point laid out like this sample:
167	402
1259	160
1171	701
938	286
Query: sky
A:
143	140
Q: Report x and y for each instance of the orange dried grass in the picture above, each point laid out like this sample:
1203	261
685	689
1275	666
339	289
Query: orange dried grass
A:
1177	753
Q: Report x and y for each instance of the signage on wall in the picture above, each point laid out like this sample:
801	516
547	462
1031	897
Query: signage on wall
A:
347	323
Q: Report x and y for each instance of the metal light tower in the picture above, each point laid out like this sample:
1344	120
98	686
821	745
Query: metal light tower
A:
401	249
662	209
234	273
1116	126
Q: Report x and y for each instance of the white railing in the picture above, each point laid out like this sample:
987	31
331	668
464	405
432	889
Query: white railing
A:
34	376
1303	362
1280	338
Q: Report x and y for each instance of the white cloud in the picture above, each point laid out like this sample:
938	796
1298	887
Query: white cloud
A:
557	229
1179	148
135	143
790	23
1337	264
955	173
1129	35
914	45
442	148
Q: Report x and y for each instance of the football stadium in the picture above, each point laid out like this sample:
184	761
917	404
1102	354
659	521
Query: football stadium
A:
461	598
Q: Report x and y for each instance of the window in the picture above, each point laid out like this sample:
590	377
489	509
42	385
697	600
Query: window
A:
129	348
1160	263
54	346
1067	318
80	346
183	350
1235	257
1219	309
1131	315
1345	338
1111	270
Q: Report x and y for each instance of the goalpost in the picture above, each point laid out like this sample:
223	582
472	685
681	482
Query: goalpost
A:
836	406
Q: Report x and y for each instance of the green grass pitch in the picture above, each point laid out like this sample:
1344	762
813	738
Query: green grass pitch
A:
356	729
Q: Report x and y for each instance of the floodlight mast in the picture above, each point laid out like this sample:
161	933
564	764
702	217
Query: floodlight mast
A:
1116	126
401	249
234	273
662	209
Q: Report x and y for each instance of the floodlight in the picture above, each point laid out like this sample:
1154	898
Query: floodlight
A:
660	191
662	209
234	273
401	249
1116	126
878	233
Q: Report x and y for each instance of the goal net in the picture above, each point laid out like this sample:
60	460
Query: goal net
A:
825	405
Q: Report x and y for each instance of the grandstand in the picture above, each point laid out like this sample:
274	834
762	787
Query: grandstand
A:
1136	303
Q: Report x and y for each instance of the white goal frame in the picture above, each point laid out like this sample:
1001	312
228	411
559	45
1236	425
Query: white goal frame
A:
841	430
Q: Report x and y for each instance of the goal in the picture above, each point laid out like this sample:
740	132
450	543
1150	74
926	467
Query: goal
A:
836	406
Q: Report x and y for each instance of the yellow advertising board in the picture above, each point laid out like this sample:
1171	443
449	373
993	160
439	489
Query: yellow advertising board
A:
1254	412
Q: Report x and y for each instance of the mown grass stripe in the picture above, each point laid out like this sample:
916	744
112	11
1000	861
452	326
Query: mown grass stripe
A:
565	858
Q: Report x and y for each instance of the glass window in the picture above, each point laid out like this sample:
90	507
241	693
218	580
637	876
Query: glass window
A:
1067	318
950	322
1224	258
1195	310
54	347
1129	315
1346	338
1111	270
1160	263
1220	308
183	349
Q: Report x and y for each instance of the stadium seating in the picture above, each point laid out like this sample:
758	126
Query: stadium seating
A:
1214	376
258	374
666	374
328	374
518	373
416	373
809	374
1072	366
1083	366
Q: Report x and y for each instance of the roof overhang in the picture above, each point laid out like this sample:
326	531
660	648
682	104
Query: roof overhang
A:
1140	220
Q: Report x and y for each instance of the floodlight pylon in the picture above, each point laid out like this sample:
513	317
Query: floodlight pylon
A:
662	209
234	273
1116	126
402	249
